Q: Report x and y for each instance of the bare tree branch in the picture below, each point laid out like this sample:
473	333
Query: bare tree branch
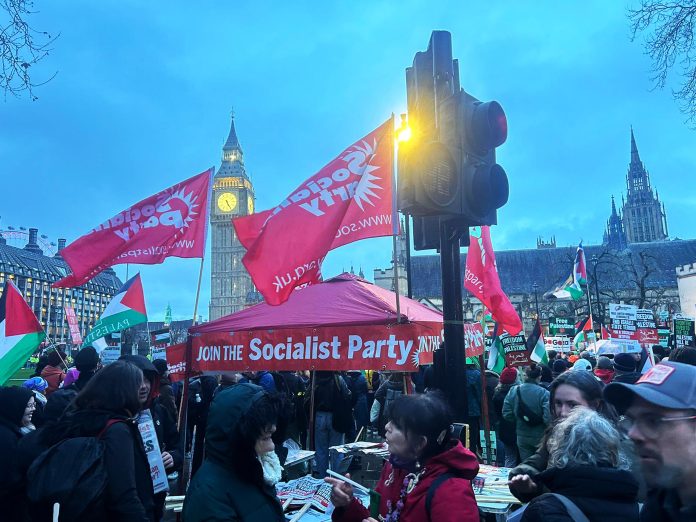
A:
669	42
21	47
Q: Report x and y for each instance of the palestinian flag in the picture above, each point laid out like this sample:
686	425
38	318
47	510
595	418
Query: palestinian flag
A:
160	336
20	332
572	287
535	345
126	309
496	356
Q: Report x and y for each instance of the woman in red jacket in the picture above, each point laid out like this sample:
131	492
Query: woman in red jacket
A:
425	461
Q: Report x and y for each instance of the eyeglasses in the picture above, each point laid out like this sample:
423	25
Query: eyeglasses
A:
31	406
649	425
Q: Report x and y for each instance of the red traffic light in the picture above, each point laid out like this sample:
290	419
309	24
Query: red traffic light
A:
488	125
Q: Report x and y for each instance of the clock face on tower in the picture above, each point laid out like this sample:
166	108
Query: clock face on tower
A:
227	201
250	205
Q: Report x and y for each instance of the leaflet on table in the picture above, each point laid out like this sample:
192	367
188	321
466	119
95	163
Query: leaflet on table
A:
303	490
358	446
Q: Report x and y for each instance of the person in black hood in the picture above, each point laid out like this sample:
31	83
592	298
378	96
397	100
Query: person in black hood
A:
87	363
15	412
166	393
165	424
236	479
588	467
106	407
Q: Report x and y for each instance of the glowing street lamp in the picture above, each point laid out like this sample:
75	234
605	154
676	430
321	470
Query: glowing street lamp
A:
403	133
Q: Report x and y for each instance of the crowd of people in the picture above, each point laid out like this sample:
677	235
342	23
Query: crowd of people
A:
583	436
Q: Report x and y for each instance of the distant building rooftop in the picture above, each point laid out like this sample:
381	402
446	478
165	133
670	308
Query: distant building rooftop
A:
547	267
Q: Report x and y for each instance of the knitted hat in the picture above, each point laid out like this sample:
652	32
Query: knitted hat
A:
36	383
161	366
559	366
87	359
604	363
508	376
624	362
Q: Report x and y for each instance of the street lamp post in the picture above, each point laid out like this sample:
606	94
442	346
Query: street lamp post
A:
536	298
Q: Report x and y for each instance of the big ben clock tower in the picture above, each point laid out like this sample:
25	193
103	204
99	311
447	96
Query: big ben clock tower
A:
231	288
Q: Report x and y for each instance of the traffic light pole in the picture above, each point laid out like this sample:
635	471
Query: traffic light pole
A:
453	316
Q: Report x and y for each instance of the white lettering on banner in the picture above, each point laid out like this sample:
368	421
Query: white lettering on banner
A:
175	208
312	347
284	280
154	457
337	187
473	279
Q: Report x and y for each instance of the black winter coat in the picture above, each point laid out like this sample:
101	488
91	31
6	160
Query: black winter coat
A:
129	496
169	441
11	480
225	487
166	396
602	494
505	430
13	401
665	505
627	378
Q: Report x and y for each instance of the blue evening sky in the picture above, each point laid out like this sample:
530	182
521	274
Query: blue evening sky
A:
144	91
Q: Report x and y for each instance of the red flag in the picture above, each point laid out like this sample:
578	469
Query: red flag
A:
349	199
481	279
172	223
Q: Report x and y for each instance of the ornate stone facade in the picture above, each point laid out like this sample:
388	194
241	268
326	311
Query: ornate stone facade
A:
231	288
643	218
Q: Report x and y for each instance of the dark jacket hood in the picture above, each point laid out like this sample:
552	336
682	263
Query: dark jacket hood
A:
13	402
592	482
455	459
227	409
148	370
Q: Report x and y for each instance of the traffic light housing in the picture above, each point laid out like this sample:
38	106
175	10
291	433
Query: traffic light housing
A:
448	169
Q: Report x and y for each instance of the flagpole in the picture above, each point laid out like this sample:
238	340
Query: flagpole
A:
589	305
188	357
395	223
198	291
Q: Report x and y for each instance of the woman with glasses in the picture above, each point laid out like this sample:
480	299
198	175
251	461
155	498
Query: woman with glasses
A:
16	408
568	391
588	467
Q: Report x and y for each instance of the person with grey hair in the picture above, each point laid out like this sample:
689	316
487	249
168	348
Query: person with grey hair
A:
588	474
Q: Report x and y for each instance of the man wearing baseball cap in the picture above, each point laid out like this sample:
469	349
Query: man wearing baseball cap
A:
659	415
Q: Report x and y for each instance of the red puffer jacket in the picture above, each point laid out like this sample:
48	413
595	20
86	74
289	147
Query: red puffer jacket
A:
453	501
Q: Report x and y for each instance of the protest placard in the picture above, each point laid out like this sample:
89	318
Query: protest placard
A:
515	349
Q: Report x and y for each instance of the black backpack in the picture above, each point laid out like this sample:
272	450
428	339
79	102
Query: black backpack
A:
71	473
